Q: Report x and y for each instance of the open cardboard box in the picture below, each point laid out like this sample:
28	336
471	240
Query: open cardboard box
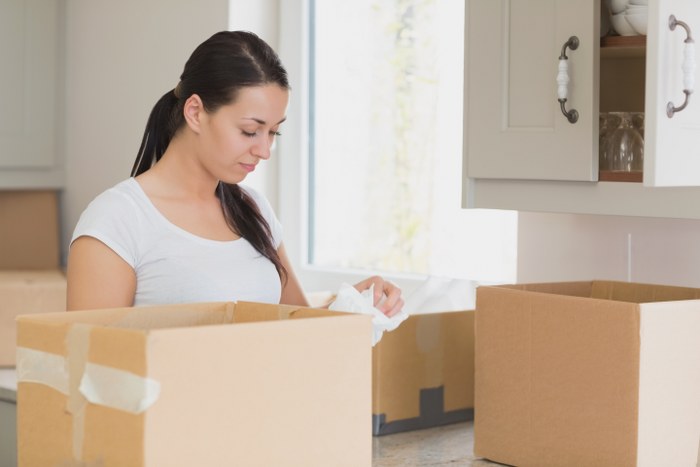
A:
194	384
31	280
588	373
423	373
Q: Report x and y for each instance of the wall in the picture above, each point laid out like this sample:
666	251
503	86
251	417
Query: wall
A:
120	58
581	247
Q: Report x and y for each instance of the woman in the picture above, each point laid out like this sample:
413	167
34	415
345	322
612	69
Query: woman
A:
181	228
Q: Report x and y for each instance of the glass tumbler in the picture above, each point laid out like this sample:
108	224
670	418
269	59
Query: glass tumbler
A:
607	122
625	146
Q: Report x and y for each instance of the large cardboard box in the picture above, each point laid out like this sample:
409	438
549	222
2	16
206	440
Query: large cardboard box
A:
31	280
588	373
423	373
198	384
25	292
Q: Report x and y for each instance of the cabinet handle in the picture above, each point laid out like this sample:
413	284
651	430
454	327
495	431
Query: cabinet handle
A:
688	66
563	79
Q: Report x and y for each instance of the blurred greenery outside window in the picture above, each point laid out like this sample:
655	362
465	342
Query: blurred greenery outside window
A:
385	132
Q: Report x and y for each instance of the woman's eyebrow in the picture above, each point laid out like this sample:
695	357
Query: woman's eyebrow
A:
262	122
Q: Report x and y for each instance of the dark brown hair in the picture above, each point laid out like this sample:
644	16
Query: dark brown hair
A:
217	69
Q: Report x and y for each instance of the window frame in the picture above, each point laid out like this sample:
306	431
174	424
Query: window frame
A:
294	164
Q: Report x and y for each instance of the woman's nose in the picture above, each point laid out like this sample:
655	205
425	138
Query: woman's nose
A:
262	150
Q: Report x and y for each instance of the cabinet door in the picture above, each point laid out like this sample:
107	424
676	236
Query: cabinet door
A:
28	43
515	128
672	144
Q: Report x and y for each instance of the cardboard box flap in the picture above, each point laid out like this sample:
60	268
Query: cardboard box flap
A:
252	312
146	317
641	293
611	290
574	289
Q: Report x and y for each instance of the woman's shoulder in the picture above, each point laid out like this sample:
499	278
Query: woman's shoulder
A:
122	195
115	205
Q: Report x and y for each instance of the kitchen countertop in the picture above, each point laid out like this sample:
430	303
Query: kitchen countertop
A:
445	445
8	384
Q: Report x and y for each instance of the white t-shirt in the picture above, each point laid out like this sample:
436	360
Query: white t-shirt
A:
176	266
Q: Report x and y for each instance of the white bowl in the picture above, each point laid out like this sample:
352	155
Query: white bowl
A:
638	22
617	6
622	26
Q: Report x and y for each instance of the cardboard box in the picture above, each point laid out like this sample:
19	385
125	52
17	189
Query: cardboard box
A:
26	292
197	384
588	373
29	231
423	373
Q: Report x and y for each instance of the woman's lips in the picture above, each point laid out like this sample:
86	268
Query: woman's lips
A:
248	167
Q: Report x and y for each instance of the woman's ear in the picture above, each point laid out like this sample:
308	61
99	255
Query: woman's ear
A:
193	112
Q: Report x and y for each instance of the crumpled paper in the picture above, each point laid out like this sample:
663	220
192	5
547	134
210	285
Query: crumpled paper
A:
349	299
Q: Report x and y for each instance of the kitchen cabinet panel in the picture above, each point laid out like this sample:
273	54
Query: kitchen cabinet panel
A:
29	88
672	152
516	129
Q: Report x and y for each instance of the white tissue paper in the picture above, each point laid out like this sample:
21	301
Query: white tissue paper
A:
440	294
349	299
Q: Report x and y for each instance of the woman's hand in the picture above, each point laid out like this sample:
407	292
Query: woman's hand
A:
387	295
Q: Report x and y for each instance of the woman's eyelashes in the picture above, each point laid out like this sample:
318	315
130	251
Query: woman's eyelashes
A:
255	133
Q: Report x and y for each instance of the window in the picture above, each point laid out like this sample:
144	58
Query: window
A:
374	183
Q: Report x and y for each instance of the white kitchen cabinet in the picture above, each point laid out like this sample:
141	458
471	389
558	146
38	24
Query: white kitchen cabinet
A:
521	152
30	85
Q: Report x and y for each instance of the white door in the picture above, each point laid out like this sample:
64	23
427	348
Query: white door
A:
672	144
515	128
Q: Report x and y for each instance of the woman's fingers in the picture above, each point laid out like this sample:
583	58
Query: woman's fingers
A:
387	295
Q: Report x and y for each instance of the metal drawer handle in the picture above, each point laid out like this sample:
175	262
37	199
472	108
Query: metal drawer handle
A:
688	66
563	79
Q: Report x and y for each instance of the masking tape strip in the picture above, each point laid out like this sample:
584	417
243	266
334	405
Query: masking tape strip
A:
118	389
77	345
100	385
36	366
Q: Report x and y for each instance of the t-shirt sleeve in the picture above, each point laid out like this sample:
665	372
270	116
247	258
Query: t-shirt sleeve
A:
109	219
268	213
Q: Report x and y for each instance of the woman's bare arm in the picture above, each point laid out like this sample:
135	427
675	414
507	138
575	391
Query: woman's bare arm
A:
292	292
98	277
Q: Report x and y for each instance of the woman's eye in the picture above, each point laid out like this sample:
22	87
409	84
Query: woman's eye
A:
249	135
275	133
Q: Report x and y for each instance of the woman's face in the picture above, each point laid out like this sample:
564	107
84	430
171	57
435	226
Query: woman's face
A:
237	136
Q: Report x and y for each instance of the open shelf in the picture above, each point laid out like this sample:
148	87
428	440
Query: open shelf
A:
610	176
623	41
623	46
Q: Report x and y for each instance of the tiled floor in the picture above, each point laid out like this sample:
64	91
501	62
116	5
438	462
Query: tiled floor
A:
448	445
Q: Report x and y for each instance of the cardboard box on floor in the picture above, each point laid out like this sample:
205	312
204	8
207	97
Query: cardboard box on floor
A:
587	373
196	384
423	373
24	292
31	280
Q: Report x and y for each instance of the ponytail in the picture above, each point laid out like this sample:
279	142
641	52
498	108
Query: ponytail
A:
166	117
216	70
